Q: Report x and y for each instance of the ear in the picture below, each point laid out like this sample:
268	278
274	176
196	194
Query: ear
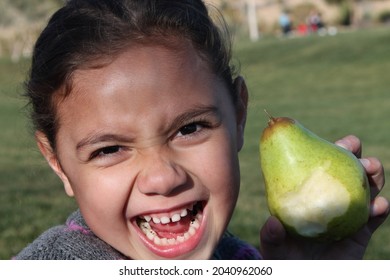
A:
51	157
241	109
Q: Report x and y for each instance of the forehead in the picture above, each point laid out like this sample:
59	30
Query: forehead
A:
172	46
141	77
174	55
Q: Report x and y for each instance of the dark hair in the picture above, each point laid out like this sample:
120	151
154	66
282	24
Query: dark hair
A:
84	32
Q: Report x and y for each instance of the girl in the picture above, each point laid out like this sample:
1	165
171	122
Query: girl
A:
139	113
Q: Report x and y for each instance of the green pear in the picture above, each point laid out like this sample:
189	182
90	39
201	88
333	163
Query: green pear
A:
315	188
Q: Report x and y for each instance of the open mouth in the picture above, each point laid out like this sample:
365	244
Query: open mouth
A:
173	228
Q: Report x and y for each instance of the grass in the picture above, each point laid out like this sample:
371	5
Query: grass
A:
334	85
31	197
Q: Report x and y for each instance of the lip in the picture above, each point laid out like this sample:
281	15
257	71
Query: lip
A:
175	250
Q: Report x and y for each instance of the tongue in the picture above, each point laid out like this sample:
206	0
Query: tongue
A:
172	229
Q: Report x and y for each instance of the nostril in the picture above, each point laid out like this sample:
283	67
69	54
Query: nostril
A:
161	177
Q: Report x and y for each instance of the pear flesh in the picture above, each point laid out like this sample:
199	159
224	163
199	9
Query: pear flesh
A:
315	188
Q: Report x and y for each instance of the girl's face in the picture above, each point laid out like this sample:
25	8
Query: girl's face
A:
148	146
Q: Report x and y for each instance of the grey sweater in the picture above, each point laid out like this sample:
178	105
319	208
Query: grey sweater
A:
75	241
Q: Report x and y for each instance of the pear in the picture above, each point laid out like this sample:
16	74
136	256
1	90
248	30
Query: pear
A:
317	189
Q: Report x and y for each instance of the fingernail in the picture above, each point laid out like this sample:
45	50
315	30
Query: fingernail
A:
365	162
342	144
372	209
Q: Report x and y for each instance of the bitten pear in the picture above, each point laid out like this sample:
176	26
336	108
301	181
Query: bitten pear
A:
315	188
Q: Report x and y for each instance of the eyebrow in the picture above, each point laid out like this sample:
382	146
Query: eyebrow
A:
197	112
101	137
182	119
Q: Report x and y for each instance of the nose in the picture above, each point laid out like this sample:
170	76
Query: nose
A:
160	175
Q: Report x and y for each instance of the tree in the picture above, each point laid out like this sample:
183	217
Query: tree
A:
346	10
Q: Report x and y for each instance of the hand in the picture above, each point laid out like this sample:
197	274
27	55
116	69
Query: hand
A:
275	243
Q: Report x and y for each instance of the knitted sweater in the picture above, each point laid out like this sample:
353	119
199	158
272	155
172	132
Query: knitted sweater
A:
75	241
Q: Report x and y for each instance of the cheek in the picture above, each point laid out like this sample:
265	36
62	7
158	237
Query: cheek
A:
222	179
220	170
102	195
101	190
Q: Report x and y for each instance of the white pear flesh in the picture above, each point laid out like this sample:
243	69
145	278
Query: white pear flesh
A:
309	210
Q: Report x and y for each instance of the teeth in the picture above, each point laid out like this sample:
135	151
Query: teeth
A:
152	235
145	226
195	224
174	218
165	220
147	218
191	231
180	239
183	213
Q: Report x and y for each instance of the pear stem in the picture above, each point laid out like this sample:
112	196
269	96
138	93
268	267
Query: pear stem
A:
271	120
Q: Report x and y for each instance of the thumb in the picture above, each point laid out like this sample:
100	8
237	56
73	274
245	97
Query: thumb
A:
272	239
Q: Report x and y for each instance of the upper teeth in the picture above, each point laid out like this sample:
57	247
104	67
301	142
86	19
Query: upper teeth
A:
175	217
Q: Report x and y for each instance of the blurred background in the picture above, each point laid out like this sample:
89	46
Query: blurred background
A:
325	63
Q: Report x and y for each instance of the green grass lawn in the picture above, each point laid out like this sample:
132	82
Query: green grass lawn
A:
333	85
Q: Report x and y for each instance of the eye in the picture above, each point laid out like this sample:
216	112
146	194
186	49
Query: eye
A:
106	151
193	128
189	129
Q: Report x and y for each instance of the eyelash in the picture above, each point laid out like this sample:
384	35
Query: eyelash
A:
100	152
199	126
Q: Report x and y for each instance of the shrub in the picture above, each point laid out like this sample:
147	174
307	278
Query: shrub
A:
384	17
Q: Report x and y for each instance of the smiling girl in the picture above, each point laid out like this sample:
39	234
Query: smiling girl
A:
139	113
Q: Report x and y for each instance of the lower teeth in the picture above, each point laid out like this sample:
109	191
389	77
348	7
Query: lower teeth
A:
152	235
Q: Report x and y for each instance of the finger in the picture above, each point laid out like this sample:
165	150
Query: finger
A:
351	143
375	173
380	209
272	236
378	213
